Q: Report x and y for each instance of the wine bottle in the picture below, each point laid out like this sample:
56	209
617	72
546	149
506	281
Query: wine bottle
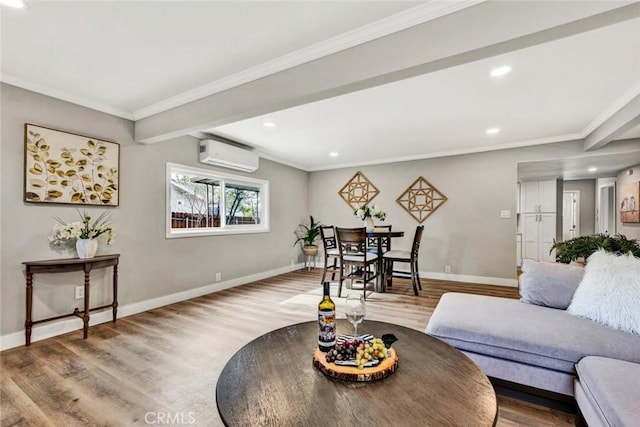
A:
326	321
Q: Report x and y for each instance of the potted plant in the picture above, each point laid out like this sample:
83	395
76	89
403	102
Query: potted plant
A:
580	248
308	235
367	213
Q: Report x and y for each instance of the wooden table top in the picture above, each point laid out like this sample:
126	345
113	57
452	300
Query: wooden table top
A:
272	381
381	233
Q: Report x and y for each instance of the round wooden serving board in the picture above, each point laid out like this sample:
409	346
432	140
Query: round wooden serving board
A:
351	373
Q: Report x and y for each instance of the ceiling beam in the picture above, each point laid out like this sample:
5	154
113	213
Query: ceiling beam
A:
615	126
478	32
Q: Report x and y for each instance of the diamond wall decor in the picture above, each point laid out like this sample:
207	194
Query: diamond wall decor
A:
358	191
421	199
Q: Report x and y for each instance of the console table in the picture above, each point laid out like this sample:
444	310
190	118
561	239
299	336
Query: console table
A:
63	266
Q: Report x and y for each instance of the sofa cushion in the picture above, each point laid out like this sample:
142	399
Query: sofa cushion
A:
525	333
611	388
610	291
549	284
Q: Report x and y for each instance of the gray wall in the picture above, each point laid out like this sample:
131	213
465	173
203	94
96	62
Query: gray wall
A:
587	189
630	230
151	266
466	232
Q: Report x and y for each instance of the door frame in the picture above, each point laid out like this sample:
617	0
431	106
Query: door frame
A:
576	198
603	205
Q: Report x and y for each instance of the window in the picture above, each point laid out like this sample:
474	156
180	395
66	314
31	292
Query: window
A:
202	202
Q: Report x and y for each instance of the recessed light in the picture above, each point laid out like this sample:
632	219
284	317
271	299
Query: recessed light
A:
492	131
333	154
19	4
269	124
592	169
500	71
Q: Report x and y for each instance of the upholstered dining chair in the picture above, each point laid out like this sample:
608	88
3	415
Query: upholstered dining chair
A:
410	257
331	251
385	242
356	262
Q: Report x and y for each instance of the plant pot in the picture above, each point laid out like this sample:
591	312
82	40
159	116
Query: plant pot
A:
310	250
86	248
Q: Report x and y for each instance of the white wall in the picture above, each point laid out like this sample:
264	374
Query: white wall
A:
151	265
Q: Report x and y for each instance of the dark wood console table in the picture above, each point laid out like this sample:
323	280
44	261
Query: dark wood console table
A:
63	266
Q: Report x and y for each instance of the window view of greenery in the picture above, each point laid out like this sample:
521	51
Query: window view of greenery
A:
197	201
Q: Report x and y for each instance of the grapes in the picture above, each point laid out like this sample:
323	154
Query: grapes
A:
358	351
345	350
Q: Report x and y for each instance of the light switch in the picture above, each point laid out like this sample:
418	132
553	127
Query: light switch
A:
505	214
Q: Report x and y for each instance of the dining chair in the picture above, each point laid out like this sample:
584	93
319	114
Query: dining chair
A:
410	257
385	241
331	251
355	261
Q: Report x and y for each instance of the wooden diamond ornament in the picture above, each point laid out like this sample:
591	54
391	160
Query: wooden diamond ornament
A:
358	191
421	199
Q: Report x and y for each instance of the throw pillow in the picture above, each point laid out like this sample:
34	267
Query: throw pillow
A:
610	291
549	284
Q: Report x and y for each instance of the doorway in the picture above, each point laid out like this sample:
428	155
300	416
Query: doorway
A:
570	214
607	209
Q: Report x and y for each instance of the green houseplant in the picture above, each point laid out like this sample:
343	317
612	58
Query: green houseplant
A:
583	246
308	235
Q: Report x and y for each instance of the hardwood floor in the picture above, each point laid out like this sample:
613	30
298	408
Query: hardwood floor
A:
161	366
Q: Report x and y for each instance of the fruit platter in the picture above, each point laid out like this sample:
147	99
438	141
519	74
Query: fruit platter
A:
362	358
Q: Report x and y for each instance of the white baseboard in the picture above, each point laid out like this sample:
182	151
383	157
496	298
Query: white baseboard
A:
53	329
483	280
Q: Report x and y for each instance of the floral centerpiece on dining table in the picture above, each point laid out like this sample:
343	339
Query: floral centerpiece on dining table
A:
85	233
367	213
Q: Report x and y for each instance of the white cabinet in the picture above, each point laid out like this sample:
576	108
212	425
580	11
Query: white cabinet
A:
538	196
538	232
538	204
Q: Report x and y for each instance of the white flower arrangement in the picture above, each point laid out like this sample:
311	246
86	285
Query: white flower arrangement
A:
372	211
84	229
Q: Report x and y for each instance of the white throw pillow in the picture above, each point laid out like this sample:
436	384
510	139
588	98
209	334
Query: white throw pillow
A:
609	292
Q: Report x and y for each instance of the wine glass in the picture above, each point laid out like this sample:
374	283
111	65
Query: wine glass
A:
355	309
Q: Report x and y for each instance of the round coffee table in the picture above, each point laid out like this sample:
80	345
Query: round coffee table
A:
272	381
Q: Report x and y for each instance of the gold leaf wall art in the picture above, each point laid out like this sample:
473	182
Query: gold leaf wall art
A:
62	167
421	199
358	191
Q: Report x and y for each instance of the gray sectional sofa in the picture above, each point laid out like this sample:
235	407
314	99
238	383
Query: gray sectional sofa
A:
547	348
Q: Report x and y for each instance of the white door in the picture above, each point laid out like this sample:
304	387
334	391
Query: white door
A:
547	191
529	191
530	246
546	234
570	215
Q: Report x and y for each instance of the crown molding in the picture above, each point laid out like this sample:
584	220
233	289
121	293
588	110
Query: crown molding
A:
383	27
54	93
475	150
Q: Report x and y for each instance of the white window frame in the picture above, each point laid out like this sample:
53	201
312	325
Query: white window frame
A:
224	228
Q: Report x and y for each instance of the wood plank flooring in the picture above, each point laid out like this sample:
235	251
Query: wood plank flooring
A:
161	367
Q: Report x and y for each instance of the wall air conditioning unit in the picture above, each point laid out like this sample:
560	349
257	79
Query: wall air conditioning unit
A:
218	153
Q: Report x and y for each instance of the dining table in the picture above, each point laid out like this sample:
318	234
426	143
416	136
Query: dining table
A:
379	235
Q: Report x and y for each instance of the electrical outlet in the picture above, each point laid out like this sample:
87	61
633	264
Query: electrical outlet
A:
447	269
218	277
79	292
